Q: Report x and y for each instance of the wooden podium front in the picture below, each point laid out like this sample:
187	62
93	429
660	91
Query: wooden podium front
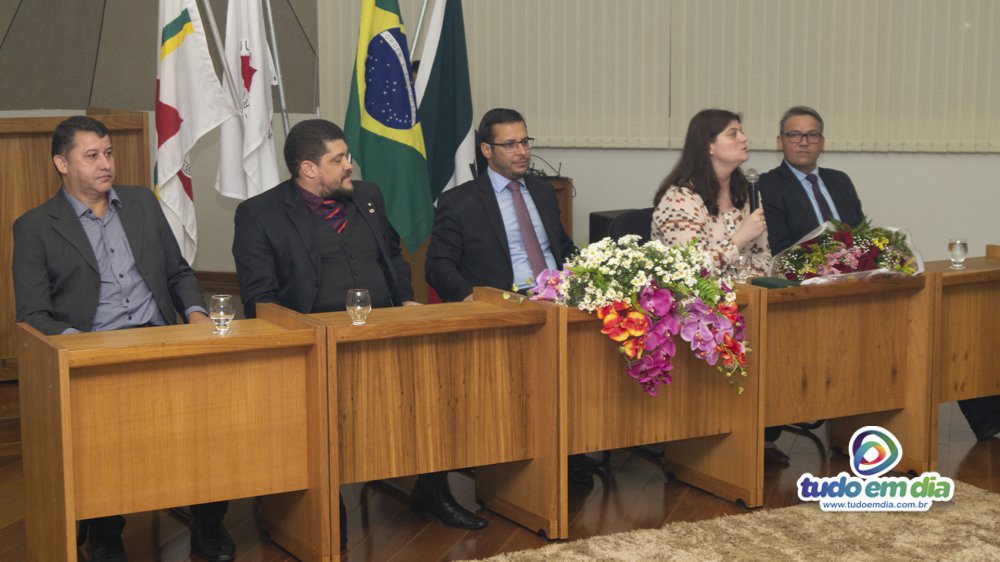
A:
440	387
150	418
968	334
855	354
711	433
967	305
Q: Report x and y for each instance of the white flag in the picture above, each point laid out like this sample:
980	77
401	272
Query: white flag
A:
189	103
247	164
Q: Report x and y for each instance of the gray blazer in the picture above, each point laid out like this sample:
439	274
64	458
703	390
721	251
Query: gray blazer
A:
56	280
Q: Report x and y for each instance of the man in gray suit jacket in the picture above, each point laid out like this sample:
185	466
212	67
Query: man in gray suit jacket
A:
99	257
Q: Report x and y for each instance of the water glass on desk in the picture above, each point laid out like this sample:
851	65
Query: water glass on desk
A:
222	311
359	304
739	268
958	248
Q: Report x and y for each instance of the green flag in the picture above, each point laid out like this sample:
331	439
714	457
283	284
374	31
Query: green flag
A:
445	98
382	127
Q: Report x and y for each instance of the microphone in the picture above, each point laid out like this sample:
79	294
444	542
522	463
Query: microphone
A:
752	177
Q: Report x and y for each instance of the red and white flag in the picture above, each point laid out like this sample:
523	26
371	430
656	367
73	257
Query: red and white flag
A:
189	103
247	164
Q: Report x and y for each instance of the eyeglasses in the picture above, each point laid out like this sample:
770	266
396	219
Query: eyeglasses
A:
342	159
511	146
796	137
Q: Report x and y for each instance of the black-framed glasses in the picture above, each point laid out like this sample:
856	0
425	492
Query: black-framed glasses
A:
511	146
812	137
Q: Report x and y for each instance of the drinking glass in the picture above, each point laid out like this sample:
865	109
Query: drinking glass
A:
739	268
958	248
359	304
222	312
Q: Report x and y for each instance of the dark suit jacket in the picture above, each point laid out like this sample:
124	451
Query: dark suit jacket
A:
277	259
56	280
469	245
789	213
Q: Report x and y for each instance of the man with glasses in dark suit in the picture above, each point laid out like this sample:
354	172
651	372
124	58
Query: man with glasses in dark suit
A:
501	229
799	195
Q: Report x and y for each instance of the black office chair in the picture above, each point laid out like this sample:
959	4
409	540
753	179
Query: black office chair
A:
639	221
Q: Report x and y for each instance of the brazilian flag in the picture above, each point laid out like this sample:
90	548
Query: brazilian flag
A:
382	128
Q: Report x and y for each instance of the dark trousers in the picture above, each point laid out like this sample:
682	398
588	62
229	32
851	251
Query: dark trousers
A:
772	433
111	526
433	481
981	413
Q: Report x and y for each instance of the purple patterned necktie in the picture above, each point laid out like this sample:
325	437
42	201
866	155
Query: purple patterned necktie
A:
531	246
334	215
824	208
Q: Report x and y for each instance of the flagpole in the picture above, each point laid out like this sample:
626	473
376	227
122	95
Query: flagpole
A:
277	66
207	9
416	34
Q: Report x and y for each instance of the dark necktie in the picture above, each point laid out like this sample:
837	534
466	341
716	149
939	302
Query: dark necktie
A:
824	208
334	215
531	246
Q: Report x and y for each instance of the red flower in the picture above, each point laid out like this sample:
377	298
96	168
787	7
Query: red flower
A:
844	237
867	261
613	307
730	311
613	326
636	323
634	347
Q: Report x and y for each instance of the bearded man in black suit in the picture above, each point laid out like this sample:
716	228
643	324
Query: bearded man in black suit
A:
308	240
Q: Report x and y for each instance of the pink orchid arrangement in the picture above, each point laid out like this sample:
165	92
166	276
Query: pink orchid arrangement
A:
646	296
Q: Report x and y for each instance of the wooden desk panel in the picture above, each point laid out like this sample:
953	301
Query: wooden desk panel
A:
427	404
836	357
609	410
150	435
854	354
446	386
151	418
968	333
712	434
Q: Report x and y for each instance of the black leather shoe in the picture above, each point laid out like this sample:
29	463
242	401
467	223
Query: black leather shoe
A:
212	542
106	549
440	503
986	431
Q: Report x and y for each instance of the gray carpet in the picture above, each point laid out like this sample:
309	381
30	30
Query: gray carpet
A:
967	528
